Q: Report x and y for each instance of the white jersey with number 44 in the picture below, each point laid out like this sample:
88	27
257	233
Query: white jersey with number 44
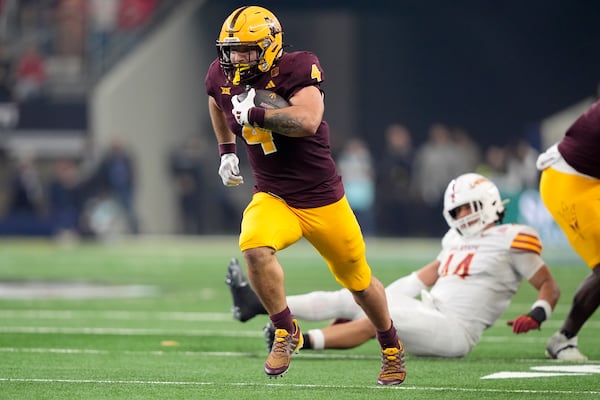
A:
479	275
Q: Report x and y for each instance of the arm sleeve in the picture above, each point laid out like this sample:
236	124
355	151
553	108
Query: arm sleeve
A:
525	252
526	263
410	286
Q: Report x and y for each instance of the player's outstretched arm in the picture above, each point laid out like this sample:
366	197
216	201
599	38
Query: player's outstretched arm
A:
548	295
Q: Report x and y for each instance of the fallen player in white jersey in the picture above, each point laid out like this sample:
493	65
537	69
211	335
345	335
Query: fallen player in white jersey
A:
471	283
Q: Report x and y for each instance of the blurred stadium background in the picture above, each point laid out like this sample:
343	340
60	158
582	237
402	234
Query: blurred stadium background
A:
131	73
89	86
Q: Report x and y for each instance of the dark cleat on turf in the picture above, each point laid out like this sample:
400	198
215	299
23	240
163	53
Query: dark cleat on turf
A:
246	304
269	331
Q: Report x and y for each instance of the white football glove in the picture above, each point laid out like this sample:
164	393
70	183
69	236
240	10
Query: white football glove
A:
229	170
241	108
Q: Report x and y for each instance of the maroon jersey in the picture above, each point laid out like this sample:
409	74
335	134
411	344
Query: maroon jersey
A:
581	145
299	170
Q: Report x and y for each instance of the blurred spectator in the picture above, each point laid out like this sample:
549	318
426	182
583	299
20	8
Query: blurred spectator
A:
70	16
134	13
66	199
355	165
394	174
494	167
187	167
521	164
228	210
6	75
27	196
102	16
512	167
468	151
4	12
26	202
9	113
30	74
116	174
29	15
437	162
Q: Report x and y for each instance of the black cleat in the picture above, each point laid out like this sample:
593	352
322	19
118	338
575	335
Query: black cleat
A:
235	277
246	304
269	331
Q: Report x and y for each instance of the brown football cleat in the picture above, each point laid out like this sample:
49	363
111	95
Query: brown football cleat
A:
284	345
393	370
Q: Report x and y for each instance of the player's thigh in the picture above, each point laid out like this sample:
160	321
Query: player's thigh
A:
334	231
268	222
574	202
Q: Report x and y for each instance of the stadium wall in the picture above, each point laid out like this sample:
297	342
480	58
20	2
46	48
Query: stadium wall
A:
153	99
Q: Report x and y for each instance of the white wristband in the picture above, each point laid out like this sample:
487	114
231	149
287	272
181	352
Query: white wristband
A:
545	305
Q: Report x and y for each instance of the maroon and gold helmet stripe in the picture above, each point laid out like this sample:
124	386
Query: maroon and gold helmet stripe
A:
234	19
527	242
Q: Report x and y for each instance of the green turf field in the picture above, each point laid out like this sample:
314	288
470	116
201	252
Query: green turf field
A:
160	328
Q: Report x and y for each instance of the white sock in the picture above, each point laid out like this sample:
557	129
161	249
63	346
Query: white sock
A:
317	340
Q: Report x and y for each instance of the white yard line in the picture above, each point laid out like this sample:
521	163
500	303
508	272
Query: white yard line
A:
127	331
303	354
315	355
116	315
316	386
43	330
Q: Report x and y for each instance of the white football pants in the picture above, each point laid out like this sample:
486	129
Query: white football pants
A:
423	329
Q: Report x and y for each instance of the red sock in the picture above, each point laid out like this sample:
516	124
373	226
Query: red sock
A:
283	320
388	338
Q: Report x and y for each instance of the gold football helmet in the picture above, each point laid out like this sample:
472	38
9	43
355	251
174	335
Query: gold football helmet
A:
247	28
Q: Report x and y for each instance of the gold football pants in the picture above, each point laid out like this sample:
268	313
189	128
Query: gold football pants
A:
333	230
574	202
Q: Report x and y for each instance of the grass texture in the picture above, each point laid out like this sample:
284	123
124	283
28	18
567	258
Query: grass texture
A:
156	324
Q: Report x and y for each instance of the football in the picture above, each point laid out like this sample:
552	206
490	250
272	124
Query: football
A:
266	99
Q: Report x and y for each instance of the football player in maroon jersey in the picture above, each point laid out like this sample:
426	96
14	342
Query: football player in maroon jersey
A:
298	192
570	189
463	291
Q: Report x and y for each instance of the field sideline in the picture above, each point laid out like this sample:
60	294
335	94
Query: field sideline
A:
149	318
